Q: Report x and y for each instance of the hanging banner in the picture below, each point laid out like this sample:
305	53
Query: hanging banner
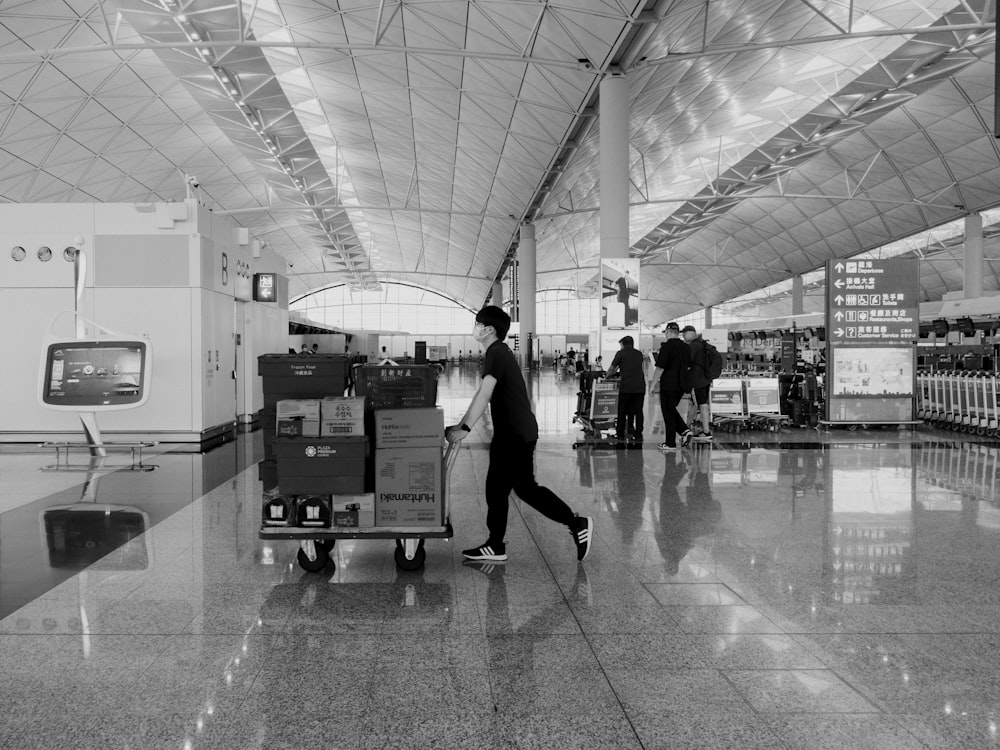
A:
619	304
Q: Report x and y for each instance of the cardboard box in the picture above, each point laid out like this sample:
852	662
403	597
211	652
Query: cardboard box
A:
408	488
297	418
331	465
354	511
409	428
342	416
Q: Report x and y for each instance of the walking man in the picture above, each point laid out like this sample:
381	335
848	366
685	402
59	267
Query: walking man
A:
512	450
700	381
631	391
672	364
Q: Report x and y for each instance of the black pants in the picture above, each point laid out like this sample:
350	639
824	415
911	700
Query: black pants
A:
673	422
630	414
512	467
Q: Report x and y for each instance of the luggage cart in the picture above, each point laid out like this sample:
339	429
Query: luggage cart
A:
728	404
596	411
315	544
764	404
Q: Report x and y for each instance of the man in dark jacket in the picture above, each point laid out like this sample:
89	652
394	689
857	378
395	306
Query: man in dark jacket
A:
631	390
699	381
672	365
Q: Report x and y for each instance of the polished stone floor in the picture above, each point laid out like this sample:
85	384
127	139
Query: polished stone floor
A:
771	590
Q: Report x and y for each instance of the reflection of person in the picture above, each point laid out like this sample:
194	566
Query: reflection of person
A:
631	390
512	450
305	349
673	535
672	365
631	493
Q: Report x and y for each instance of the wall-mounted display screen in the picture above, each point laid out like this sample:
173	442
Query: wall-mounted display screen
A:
97	375
872	371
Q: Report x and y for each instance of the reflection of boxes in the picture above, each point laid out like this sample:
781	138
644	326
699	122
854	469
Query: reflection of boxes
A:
408	488
313	511
321	465
342	416
278	510
409	428
354	510
297	417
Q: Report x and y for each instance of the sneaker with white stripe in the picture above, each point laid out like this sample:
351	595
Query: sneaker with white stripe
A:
495	552
583	534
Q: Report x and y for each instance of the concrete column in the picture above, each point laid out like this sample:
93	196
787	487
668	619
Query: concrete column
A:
797	296
973	265
497	298
526	249
708	317
614	161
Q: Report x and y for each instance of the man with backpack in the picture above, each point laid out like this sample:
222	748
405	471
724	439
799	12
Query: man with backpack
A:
706	366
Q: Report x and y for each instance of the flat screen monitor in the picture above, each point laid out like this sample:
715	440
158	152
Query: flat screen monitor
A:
102	375
872	371
966	326
940	327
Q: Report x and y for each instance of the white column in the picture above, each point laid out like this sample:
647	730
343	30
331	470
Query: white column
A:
708	317
497	298
973	265
614	162
526	249
797	296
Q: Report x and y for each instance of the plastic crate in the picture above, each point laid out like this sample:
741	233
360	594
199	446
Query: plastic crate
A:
396	387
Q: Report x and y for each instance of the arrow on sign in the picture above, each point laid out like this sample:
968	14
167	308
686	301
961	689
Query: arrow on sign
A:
838	315
838	283
839	331
838	299
839	267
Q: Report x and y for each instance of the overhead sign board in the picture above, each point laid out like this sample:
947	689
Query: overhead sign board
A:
872	302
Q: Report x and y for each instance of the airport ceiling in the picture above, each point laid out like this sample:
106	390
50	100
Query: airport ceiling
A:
406	140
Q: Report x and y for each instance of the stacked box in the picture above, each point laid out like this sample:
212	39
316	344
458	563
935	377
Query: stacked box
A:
321	465
408	488
354	511
342	416
297	418
409	428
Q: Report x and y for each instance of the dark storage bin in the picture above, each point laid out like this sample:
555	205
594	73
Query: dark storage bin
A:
401	387
302	375
313	511
326	465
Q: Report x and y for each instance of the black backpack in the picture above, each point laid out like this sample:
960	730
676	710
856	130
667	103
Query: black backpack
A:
714	362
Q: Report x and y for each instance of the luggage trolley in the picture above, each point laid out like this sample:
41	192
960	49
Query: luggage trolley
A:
728	404
596	410
316	543
764	404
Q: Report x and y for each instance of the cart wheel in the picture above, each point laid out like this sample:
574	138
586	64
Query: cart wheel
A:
418	556
314	566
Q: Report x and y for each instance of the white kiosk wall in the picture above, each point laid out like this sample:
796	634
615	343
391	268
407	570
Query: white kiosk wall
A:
154	270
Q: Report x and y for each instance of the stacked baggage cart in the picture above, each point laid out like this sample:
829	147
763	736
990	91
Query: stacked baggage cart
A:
352	467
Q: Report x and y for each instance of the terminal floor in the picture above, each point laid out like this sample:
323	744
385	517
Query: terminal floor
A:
772	590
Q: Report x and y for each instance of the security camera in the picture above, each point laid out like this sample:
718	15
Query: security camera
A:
193	181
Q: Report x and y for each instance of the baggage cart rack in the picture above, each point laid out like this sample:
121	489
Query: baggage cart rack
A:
316	544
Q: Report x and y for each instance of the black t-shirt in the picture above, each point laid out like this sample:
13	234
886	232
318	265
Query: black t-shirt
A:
629	362
509	404
674	359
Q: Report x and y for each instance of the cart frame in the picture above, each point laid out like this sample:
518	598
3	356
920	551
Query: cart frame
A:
316	544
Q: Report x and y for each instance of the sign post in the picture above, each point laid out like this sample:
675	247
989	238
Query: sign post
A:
872	314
